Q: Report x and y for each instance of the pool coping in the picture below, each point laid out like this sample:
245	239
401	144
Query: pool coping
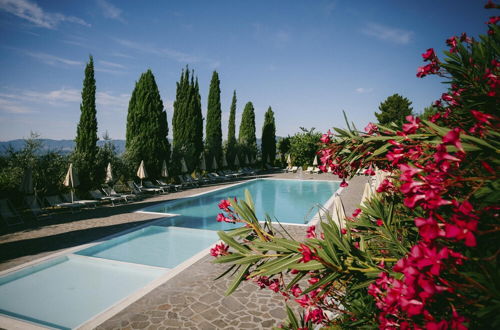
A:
16	323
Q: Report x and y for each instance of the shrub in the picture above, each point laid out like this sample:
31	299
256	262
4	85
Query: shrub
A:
421	253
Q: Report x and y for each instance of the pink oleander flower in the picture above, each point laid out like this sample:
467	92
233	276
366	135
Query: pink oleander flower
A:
428	228
482	117
344	184
275	285
493	20
295	290
325	138
385	186
222	218
429	55
308	254
428	69
452	43
219	250
380	222
412	125
311	232
371	128
224	204
453	138
356	212
305	301
315	316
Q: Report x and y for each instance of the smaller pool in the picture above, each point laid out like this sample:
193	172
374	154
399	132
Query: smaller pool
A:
65	292
154	246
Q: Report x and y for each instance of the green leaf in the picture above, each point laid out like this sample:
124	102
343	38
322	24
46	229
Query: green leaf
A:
292	318
280	266
232	243
242	231
229	258
236	282
328	279
270	246
250	259
311	265
249	200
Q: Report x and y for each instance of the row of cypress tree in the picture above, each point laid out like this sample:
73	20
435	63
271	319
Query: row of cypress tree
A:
147	127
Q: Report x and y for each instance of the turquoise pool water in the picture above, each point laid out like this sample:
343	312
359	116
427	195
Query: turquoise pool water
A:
67	291
288	201
154	246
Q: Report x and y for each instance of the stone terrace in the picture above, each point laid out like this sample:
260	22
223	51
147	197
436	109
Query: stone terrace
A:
191	299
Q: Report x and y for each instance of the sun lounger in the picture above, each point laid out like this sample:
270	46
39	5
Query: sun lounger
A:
150	185
138	189
310	169
189	179
169	186
216	177
184	183
84	202
9	213
98	195
201	179
35	207
249	171
316	170
55	202
110	192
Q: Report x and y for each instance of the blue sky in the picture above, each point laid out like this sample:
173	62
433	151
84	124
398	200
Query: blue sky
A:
308	60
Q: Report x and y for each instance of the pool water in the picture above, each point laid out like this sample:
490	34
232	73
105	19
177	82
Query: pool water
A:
154	246
65	292
288	201
68	291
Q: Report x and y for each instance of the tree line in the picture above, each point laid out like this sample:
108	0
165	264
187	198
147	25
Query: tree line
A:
147	129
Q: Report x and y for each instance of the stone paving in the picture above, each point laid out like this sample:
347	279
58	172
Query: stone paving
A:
191	299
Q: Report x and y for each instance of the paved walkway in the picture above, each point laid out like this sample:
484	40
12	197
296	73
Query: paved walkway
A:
191	299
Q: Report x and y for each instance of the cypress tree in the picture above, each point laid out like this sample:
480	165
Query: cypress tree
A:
213	134
268	137
231	134
187	122
147	126
86	133
197	124
394	109
247	139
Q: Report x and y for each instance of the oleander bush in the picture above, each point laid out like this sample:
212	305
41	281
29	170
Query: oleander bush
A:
423	251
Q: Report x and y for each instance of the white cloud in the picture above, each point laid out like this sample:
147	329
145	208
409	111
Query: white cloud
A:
362	90
108	101
167	52
53	60
387	33
16	103
14	107
112	64
110	11
31	12
117	54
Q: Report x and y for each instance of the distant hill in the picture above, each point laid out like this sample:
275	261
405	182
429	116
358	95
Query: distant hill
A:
62	146
66	146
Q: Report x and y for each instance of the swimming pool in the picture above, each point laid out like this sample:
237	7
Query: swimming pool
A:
91	283
288	201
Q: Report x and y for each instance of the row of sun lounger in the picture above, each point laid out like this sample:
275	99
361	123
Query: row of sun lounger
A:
41	209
